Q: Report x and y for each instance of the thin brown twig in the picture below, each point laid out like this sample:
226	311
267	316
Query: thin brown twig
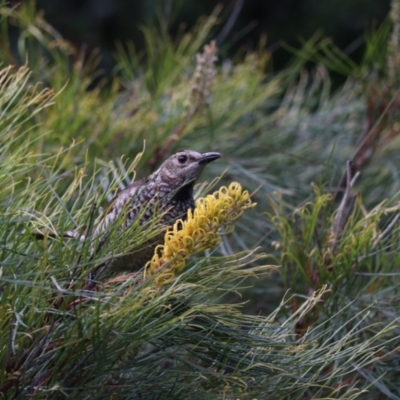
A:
159	154
373	130
199	99
342	215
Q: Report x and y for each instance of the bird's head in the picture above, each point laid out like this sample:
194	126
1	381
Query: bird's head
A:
184	167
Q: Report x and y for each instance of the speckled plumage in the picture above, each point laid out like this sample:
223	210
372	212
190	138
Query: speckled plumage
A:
168	190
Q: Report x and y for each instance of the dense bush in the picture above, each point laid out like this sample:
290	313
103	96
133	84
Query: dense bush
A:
300	301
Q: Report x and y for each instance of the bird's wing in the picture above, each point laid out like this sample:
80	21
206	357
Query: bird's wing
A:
124	196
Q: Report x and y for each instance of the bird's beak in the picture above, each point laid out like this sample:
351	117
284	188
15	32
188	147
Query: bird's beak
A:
208	157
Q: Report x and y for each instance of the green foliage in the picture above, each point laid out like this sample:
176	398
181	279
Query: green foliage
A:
335	334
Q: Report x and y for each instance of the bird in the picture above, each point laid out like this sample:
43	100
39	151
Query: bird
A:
166	194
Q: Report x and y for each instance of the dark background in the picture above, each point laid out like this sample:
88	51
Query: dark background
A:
100	23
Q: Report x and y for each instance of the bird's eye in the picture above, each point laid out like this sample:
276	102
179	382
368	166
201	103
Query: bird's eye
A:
182	159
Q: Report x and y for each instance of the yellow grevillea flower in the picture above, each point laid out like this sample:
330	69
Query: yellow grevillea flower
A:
199	231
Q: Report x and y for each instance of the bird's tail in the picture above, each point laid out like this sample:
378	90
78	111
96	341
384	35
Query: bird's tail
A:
67	234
